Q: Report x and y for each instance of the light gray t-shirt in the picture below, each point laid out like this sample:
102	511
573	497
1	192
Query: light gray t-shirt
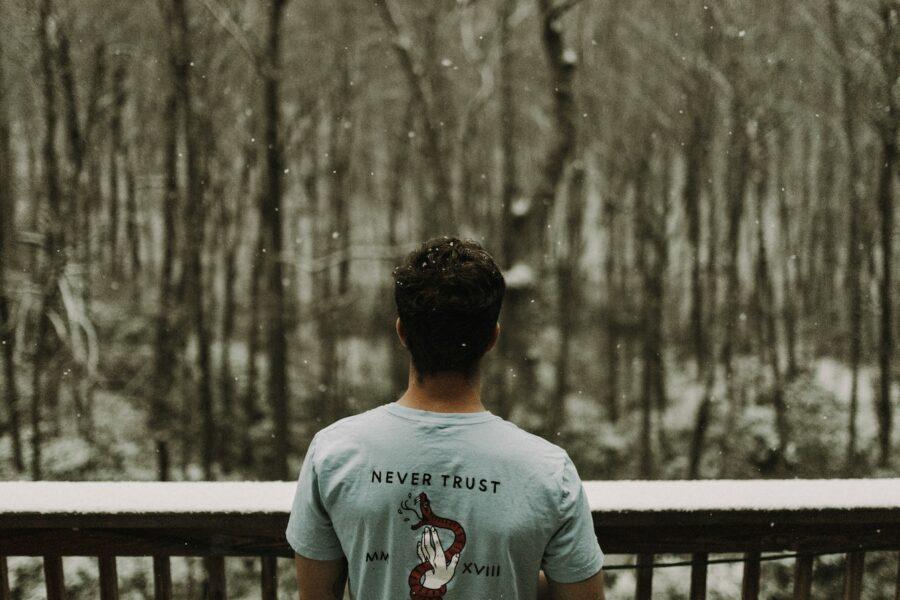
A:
463	506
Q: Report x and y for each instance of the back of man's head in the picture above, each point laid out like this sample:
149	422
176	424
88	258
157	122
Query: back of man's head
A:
448	293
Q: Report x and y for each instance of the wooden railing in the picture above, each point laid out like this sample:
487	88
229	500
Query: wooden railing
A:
216	520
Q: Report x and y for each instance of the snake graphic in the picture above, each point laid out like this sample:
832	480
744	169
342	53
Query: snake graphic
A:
417	591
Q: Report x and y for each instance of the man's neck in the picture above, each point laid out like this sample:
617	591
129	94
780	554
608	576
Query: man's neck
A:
443	392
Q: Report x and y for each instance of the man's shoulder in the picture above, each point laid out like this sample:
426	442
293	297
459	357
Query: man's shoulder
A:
534	443
351	421
348	429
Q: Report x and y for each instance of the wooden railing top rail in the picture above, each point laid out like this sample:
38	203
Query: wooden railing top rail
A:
630	517
248	518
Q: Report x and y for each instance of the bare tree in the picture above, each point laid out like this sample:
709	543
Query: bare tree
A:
568	292
887	127
766	294
7	233
400	157
524	229
855	204
652	254
421	90
509	189
697	168
46	348
114	171
737	175
271	219
194	215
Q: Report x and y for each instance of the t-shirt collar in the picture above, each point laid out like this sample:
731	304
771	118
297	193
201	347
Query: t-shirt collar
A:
428	416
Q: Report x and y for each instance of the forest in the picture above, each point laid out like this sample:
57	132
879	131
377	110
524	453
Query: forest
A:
693	203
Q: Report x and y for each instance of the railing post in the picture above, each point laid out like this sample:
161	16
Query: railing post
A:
803	569
644	589
162	578
4	580
269	578
109	584
53	578
698	575
853	572
215	574
750	585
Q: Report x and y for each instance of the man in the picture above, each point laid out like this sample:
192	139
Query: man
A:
432	496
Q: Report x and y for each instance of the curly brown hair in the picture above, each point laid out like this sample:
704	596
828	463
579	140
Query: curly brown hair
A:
448	293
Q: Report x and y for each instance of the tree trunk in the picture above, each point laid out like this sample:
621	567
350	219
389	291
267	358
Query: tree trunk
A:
73	135
338	238
168	317
525	232
271	219
398	176
614	315
324	282
568	295
93	193
695	168
651	259
232	224
697	165
54	255
737	165
250	410
194	218
766	298
76	214
509	185
854	208
806	225
438	213
132	226
7	247
789	257
888	130
114	172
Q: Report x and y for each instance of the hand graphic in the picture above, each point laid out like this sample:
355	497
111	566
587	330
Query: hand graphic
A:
430	550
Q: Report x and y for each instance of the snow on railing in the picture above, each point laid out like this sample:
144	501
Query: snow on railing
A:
214	520
133	497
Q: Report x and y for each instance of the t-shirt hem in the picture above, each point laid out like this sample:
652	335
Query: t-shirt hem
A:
313	552
589	570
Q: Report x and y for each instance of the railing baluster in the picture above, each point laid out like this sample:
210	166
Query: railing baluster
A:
53	578
803	569
269	578
897	587
853	572
644	589
162	578
698	575
4	580
109	584
750	585
215	572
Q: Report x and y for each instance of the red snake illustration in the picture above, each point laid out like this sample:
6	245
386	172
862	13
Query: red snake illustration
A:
416	590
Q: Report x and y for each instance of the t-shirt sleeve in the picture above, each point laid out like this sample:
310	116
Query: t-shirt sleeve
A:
573	552
310	531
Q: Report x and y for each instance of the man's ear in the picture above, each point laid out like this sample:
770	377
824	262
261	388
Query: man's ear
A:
400	332
494	335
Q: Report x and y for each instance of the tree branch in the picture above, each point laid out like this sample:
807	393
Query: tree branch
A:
232	27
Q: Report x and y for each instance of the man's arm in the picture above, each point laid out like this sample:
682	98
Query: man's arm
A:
589	589
321	579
